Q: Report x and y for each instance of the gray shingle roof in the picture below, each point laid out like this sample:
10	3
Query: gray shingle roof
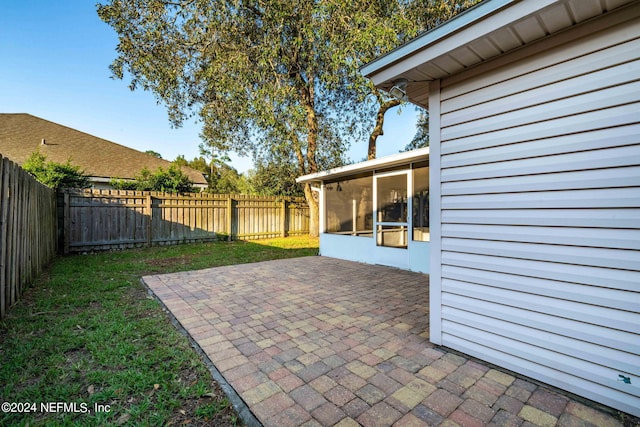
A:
22	134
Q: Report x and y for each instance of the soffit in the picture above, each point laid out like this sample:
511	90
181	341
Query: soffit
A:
486	31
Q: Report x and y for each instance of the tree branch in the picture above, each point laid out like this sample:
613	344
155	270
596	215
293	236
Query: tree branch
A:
378	128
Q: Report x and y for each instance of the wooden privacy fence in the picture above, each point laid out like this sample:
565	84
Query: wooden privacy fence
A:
112	219
27	231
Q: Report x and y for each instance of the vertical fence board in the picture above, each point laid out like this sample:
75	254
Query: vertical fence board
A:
28	231
149	221
66	223
13	237
4	215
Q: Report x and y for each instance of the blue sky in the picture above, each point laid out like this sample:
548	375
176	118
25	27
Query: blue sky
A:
54	59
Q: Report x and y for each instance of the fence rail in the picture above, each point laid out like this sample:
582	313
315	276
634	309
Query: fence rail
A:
109	219
27	231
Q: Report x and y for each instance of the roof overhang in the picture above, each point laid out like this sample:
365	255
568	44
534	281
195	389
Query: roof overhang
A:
405	158
483	32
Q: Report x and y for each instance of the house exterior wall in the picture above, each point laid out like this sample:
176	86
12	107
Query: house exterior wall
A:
363	249
535	221
350	248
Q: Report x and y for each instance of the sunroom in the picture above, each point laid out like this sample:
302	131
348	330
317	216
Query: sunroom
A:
377	211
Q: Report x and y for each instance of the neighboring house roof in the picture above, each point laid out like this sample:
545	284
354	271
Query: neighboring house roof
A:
485	31
22	134
368	165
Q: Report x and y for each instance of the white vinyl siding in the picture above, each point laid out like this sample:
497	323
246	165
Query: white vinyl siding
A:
538	236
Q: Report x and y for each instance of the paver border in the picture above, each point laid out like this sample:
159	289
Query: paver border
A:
240	406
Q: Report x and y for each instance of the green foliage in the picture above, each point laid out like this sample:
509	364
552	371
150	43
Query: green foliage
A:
221	177
275	179
227	180
421	138
275	172
172	180
430	13
122	184
198	163
154	154
55	175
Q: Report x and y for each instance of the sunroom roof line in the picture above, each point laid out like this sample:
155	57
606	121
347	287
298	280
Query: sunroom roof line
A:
369	165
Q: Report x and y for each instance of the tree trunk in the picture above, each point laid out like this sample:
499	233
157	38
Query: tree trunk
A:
377	129
307	98
314	211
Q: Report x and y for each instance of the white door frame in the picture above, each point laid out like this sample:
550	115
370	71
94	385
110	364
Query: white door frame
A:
397	257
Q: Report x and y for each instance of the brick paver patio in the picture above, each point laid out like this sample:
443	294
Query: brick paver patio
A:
318	341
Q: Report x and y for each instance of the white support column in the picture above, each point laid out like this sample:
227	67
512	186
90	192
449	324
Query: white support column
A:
435	267
354	216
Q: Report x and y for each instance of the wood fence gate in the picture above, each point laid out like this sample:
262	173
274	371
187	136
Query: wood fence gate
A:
113	219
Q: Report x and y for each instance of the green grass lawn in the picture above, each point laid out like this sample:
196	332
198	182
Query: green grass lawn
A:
87	333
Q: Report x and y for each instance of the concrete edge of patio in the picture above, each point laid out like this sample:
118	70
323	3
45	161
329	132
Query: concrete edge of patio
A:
239	405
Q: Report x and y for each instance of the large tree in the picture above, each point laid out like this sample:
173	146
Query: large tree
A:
262	75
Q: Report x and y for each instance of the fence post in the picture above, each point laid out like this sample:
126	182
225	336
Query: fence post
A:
4	209
66	209
283	217
229	217
149	220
